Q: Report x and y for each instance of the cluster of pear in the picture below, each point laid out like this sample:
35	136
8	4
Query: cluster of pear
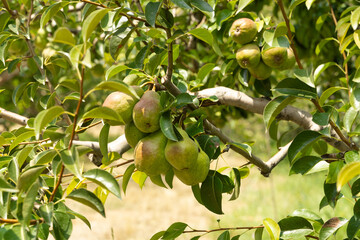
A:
259	62
154	154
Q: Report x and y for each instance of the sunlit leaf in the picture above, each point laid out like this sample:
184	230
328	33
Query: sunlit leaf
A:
87	198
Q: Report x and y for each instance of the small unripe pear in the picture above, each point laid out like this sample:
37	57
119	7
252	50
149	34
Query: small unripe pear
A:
261	71
146	113
181	154
243	30
248	55
290	60
133	135
149	154
274	57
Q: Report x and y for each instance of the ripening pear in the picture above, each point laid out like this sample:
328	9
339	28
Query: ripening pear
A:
248	55
243	30
133	134
274	57
147	112
261	71
197	173
290	60
123	104
181	154
149	154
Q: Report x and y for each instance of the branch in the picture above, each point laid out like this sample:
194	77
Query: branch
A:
13	117
221	229
15	221
239	99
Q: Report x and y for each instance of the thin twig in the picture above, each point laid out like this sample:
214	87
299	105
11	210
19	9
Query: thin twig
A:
28	143
290	36
94	3
15	221
6	6
221	229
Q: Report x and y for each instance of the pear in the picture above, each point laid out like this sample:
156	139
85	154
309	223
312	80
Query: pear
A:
248	55
133	134
290	60
146	113
149	154
243	30
181	154
274	57
197	173
123	104
261	71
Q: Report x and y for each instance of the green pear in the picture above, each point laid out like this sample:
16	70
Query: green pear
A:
243	30
197	173
248	55
133	134
261	71
290	60
123	104
274	57
181	154
146	113
149	154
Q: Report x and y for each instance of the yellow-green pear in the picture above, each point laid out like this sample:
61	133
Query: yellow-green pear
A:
181	154
133	134
197	173
260	71
243	30
274	57
146	113
290	60
149	154
123	104
248	55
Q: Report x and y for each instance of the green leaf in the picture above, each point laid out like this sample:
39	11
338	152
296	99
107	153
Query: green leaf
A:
237	181
348	172
103	113
307	214
243	4
45	117
334	169
354	19
353	227
323	42
29	176
308	3
157	235
224	236
105	180
201	5
6	187
87	198
4	18
63	35
305	76
183	99
113	70
139	178
92	21
328	92
119	40
331	226
51	12
295	227
202	34
304	165
272	228
167	127
274	107
182	4
205	70
81	217
127	175
103	142
29	201
355	98
301	141
242	146
258	233
157	180
151	12
46	211
295	87
45	157
355	188
211	190
71	160
22	137
322	67
115	86
175	230
4	51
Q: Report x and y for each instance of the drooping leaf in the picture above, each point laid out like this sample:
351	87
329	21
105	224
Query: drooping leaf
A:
167	127
105	180
87	198
237	181
103	142
211	190
29	201
151	12
71	160
139	178
353	227
224	236
304	164
127	175
202	34
175	230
